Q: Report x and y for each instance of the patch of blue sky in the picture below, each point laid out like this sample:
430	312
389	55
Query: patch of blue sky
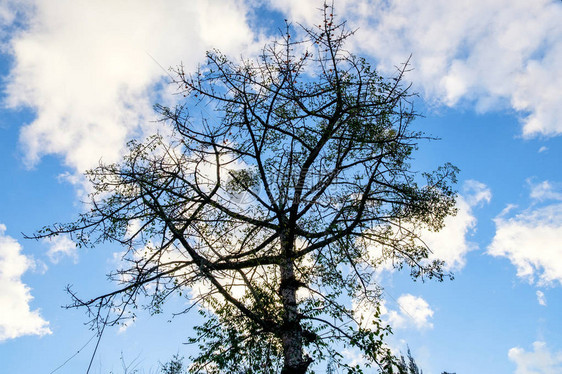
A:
488	319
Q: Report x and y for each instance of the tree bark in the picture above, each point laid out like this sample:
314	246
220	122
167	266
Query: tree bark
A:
295	361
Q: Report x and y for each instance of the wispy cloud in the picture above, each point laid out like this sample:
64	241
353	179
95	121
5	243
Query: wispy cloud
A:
16	317
546	190
541	298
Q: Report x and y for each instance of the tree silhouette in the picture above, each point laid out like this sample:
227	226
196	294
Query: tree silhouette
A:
407	366
174	366
286	184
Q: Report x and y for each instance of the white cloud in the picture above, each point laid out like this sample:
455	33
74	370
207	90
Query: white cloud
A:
7	14
354	357
412	311
60	247
476	193
451	243
16	318
86	68
530	239
124	326
494	54
546	191
539	361
303	11
541	298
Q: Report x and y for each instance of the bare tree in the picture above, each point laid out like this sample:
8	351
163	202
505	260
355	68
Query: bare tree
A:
286	184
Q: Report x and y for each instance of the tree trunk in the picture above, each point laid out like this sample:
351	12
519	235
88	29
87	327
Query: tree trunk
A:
295	361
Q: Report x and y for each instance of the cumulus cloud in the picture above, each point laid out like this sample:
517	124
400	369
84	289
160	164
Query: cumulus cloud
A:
90	70
354	357
451	244
540	361
303	11
411	311
60	247
16	317
494	54
530	239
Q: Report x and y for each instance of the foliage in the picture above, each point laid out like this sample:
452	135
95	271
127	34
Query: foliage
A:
409	367
320	145
174	366
406	366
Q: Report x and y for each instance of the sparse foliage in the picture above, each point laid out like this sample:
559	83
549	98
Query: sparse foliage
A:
174	366
408	366
318	144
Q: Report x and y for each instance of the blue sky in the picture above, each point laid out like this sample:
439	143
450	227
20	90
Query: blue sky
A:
79	79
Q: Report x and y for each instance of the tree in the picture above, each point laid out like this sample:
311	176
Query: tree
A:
272	208
174	366
409	367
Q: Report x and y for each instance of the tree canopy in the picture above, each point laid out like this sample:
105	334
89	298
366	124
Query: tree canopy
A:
287	183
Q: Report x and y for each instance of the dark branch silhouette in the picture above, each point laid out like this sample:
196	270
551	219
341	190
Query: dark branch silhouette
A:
269	208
